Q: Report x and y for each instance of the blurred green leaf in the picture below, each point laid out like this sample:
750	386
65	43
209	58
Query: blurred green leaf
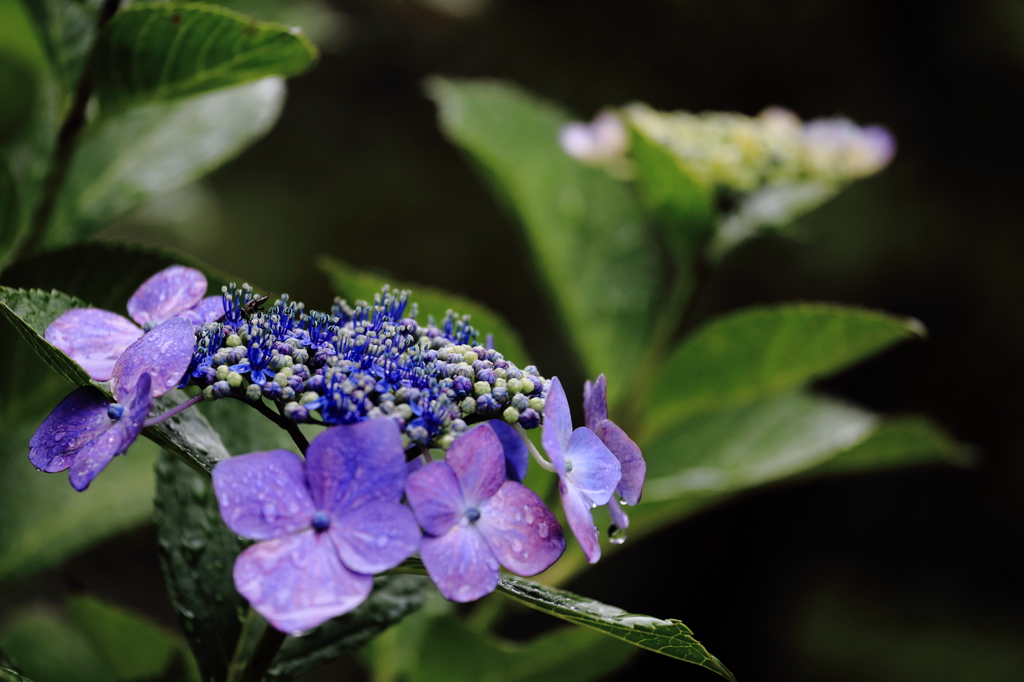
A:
66	29
133	646
197	552
667	637
752	354
22	62
355	284
573	654
154	149
6	661
585	229
159	51
8	675
50	649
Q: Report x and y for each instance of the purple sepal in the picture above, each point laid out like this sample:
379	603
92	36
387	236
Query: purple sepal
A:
595	470
460	563
375	537
297	582
520	530
557	422
435	497
93	338
619	519
210	309
578	513
79	419
631	460
356	464
595	402
263	495
164	353
166	294
478	462
517	457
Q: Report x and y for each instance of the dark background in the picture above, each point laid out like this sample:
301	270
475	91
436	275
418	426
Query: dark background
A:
914	575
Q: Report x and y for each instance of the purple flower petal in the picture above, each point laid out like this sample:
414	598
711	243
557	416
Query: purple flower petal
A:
263	495
631	460
591	467
619	519
523	533
93	456
517	457
210	309
435	497
93	338
166	294
375	537
595	402
478	461
355	464
460	563
297	582
164	354
577	512
557	424
78	419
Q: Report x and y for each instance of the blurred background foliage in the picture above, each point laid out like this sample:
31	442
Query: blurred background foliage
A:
905	575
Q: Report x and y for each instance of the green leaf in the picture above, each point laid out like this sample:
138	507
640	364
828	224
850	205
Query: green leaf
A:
197	552
667	637
159	51
572	654
154	149
755	353
585	229
393	598
67	29
355	284
8	675
50	649
22	62
133	646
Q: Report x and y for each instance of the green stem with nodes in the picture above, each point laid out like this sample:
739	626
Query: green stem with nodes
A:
284	422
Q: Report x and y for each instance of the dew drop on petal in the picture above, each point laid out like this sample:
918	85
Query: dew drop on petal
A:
529	514
382	541
517	546
542	530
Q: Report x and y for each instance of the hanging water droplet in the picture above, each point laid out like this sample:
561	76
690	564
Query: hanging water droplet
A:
616	535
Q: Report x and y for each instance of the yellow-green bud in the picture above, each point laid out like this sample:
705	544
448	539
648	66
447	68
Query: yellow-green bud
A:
308	396
537	404
527	385
222	372
234	379
510	415
481	388
233	340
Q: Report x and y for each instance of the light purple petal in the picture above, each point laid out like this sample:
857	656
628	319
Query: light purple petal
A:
619	519
517	457
460	563
78	419
631	460
595	402
355	464
581	520
523	533
210	309
435	497
557	424
595	470
297	582
93	338
263	495
166	294
478	461
163	353
92	457
375	537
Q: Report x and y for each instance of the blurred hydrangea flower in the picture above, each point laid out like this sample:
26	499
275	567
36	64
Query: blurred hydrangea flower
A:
95	338
601	142
588	472
634	469
838	147
85	431
476	519
325	526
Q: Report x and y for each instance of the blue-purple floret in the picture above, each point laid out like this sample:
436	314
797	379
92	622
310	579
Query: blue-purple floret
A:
363	362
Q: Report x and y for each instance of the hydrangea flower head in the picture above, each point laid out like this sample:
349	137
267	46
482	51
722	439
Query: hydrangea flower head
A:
631	460
86	430
325	526
96	338
587	470
476	519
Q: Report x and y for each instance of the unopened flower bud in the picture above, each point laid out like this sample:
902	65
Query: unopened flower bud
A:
253	392
468	406
526	385
529	419
537	404
510	415
481	388
222	372
296	412
234	379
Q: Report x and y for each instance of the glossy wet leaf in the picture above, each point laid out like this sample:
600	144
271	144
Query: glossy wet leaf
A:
755	353
154	149
667	637
160	51
354	284
585	229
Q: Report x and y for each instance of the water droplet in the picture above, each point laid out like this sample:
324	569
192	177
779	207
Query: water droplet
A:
529	514
616	535
517	546
58	436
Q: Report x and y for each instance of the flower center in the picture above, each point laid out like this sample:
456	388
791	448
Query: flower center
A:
568	465
473	514
114	411
321	521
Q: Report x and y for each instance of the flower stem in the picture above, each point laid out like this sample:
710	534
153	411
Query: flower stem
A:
544	464
282	421
174	410
268	646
